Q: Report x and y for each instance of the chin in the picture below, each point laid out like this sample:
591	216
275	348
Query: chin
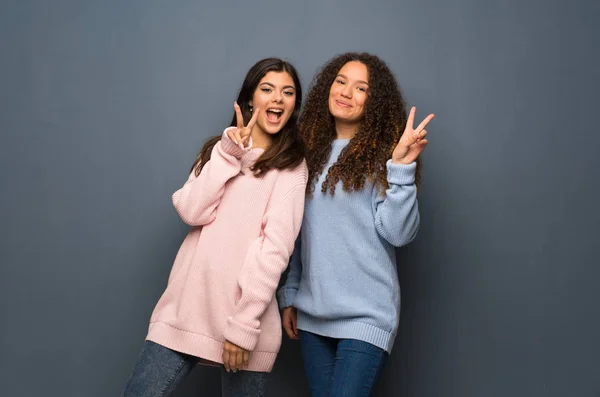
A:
343	118
337	115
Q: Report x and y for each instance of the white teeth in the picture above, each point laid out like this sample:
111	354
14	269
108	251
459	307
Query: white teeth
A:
275	110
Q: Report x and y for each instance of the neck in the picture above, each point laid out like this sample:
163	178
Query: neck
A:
260	139
345	130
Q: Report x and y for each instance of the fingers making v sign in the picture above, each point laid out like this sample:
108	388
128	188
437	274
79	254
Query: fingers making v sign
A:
241	134
413	140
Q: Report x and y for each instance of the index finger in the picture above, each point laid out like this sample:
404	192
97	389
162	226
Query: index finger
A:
226	360
254	118
411	117
238	115
425	122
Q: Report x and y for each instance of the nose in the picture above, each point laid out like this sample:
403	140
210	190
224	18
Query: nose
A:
347	91
277	97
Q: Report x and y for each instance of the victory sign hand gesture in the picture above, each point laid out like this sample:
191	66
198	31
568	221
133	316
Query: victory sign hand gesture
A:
241	134
413	140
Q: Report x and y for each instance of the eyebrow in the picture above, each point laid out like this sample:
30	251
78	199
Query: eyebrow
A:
360	81
271	85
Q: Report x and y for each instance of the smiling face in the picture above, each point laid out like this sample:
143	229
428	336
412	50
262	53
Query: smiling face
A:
349	92
275	99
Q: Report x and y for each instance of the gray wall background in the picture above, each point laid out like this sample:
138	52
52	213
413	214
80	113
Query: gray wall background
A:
104	104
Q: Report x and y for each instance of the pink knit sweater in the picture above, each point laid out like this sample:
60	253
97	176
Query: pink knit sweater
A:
223	281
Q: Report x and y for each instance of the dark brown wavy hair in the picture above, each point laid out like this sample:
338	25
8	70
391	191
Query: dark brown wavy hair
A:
287	149
364	158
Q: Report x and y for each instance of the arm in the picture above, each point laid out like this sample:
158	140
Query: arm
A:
196	202
287	292
397	212
266	259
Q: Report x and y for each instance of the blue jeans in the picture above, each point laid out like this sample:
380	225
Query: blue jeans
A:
340	367
159	370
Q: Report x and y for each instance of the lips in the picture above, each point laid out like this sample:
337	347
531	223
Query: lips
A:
342	104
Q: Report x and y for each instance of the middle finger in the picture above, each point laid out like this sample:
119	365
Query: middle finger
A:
239	360
232	360
425	122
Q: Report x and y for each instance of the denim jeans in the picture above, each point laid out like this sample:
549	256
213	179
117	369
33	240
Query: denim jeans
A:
159	370
340	367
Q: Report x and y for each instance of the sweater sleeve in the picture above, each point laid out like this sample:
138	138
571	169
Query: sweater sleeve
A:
397	212
287	292
197	201
263	265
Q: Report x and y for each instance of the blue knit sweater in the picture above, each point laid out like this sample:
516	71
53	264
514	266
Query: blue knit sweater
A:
343	278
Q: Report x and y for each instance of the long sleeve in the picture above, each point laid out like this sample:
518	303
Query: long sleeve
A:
197	201
397	213
288	291
263	265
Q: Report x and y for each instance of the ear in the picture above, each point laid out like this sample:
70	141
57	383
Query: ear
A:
250	103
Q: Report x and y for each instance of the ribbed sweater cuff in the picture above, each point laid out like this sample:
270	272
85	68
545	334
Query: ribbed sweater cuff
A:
401	174
241	335
285	297
230	146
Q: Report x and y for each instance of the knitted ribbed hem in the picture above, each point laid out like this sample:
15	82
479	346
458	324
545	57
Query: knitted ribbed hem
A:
203	346
241	334
401	174
347	329
285	297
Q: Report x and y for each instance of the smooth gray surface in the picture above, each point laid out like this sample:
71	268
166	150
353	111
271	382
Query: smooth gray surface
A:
104	104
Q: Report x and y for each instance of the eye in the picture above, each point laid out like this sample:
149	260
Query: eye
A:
340	81
265	89
288	93
362	89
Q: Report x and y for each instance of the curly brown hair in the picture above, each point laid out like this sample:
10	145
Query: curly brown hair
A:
364	158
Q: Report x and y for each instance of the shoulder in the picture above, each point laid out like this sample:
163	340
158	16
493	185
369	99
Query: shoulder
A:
295	176
289	182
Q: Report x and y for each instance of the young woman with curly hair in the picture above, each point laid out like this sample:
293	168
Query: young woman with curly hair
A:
244	200
342	296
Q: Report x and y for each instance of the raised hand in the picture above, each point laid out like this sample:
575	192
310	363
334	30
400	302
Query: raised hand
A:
413	140
241	134
234	357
